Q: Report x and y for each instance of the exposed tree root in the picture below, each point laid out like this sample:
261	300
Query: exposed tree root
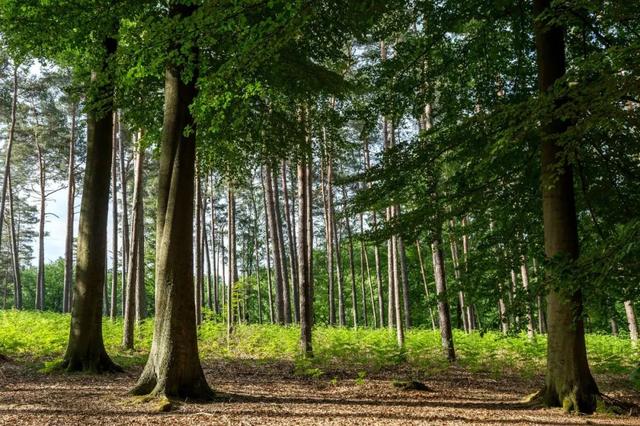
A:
604	404
95	365
408	385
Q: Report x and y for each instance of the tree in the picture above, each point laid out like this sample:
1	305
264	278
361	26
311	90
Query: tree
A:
173	368
569	382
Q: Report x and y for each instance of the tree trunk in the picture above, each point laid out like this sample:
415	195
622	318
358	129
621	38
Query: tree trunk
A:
352	269
131	311
277	259
404	279
233	264
114	230
328	232
631	321
15	254
122	139
614	327
138	224
303	260
266	247
365	274
85	350
426	287
71	195
286	294
569	382
173	368
197	297
376	248
502	312
443	301
342	319
524	273
293	262
216	292
9	146
40	285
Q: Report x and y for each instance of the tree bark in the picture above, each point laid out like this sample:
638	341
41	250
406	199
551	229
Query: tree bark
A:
286	294
569	382
15	254
85	350
524	274
404	279
173	368
216	287
443	302
114	231
132	311
197	297
352	269
233	265
138	224
40	285
303	259
293	261
426	287
277	259
123	137
71	195
266	248
9	147
631	321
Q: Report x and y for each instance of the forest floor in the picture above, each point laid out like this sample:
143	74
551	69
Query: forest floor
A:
252	392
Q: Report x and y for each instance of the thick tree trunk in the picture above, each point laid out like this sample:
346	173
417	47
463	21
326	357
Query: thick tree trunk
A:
71	195
131	311
631	321
15	255
173	368
569	382
114	230
293	261
85	350
443	302
424	282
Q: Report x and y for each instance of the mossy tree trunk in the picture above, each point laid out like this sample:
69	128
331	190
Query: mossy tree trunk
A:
569	382
85	350
173	368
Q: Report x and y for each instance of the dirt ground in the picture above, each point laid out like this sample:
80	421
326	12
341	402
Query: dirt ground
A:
249	394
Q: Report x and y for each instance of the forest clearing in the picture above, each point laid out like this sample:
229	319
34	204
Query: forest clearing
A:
356	376
319	212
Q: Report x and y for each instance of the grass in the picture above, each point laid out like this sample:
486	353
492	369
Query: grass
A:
40	338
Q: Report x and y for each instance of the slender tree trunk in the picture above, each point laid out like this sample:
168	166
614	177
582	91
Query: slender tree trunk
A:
352	269
15	255
366	277
443	302
207	255
631	321
131	311
277	259
342	319
502	311
114	231
85	350
71	195
198	255
569	381
173	368
122	140
40	286
266	248
216	293
138	226
524	273
404	279
614	327
426	287
328	232
293	262
303	259
233	264
9	146
286	294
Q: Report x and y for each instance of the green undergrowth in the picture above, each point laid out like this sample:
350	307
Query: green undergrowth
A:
40	338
